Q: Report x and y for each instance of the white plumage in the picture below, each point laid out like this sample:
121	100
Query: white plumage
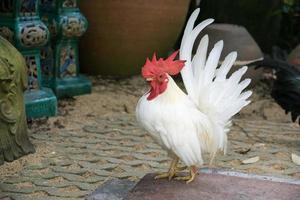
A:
188	125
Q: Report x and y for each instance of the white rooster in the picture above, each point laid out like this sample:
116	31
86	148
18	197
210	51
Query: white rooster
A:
189	125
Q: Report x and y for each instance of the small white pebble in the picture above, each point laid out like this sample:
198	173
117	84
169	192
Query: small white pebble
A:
296	159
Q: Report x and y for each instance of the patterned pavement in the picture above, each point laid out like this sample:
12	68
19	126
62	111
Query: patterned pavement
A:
80	160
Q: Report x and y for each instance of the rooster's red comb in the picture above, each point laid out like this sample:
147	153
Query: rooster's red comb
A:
158	66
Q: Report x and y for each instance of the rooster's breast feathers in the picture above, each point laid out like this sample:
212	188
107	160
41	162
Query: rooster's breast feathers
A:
176	123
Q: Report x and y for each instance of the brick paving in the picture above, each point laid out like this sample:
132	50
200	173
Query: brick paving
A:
81	159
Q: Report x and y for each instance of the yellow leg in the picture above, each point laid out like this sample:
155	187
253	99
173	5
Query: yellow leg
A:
172	171
191	177
212	157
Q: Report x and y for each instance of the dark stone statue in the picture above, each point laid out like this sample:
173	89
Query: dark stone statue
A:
14	141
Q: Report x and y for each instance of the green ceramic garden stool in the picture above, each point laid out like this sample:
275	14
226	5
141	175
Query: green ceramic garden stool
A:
21	25
66	25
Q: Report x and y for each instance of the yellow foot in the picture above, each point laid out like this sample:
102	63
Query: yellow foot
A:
191	177
172	171
168	175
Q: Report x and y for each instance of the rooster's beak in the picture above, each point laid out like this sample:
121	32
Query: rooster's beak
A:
149	79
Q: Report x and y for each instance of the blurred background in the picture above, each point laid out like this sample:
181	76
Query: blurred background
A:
122	33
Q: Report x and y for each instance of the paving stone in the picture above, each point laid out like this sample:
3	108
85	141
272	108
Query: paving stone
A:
144	157
135	173
12	180
121	148
15	196
114	189
31	173
68	134
59	193
141	162
95	179
95	129
76	178
128	137
83	158
12	188
89	165
133	132
78	145
49	175
114	160
40	136
83	140
65	183
72	150
46	183
71	177
153	146
70	171
131	139
101	172
85	186
64	163
93	168
111	142
163	153
101	153
36	166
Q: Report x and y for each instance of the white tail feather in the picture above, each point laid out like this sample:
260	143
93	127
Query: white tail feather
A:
209	87
212	63
186	48
200	56
225	67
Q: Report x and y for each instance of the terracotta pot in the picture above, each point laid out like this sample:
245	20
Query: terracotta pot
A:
122	34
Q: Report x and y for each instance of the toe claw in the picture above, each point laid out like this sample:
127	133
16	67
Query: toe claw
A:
171	173
189	178
162	175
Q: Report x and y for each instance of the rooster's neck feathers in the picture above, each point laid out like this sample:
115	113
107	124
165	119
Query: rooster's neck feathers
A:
172	94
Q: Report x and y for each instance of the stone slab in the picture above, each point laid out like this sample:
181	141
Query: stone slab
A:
217	185
114	189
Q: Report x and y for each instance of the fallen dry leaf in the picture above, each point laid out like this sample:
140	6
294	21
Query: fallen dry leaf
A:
251	160
296	159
